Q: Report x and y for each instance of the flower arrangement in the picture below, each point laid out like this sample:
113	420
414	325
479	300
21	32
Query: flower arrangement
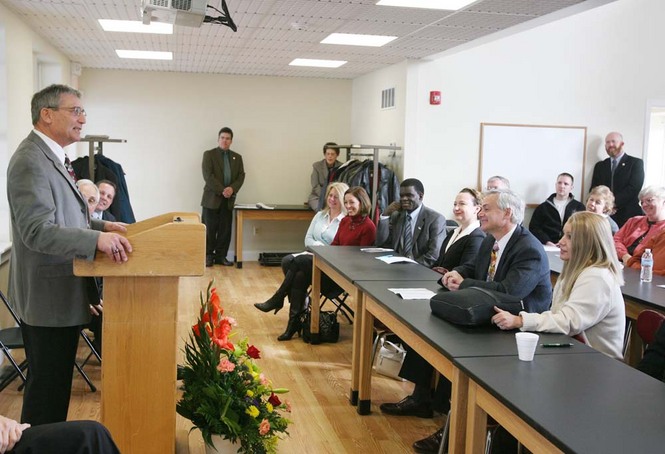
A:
225	392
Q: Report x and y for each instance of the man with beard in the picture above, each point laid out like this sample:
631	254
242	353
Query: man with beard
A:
414	230
624	175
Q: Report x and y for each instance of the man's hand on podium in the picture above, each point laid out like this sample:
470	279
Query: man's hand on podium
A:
116	247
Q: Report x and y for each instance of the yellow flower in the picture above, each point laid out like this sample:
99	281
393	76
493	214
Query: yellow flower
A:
250	393
252	411
269	407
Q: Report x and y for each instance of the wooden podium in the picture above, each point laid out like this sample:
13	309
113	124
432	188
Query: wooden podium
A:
139	331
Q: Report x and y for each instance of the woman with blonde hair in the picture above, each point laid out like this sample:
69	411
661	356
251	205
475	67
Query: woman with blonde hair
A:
601	201
298	268
587	297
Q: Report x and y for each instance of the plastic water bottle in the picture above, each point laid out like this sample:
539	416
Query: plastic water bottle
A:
647	266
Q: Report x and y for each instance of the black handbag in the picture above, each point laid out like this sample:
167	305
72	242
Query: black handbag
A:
473	306
328	326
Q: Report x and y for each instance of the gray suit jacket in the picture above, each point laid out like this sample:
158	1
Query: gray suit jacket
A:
213	174
49	229
428	235
318	180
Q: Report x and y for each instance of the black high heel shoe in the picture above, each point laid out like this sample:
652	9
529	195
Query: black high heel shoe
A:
273	303
294	326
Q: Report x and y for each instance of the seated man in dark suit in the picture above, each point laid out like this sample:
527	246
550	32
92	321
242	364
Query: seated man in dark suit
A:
107	190
510	260
425	228
69	437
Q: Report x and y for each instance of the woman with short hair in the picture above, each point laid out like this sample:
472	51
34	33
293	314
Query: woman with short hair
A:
630	240
297	268
322	174
601	201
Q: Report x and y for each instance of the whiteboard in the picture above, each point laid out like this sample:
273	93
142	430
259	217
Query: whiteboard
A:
531	157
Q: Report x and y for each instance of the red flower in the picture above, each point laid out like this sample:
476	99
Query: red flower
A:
274	400
216	304
220	334
253	352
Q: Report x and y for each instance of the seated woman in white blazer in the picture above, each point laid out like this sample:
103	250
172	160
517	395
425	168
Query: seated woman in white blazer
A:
587	297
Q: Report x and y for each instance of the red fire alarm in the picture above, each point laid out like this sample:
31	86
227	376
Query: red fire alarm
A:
435	98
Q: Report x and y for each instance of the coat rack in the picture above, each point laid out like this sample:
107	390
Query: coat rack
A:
351	150
100	141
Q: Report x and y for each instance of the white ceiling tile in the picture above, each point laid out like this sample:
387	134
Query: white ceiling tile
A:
271	33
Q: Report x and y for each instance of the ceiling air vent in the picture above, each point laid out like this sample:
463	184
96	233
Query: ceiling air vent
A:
388	98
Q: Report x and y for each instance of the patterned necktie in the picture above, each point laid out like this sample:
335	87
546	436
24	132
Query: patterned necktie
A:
70	169
613	168
407	237
492	269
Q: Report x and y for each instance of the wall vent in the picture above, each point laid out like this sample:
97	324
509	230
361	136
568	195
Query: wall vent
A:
388	98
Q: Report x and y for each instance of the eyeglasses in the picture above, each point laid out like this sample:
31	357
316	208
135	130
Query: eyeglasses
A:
649	201
77	111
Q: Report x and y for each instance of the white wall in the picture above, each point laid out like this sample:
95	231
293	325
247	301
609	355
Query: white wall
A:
595	69
170	119
370	124
18	48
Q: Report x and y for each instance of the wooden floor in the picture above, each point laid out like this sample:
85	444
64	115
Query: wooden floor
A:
318	377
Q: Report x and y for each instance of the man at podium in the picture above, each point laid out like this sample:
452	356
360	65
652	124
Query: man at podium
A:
50	227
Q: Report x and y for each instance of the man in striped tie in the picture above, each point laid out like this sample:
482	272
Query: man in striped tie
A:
520	266
412	229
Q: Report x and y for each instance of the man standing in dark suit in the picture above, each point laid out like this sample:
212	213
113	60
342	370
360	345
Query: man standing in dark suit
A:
624	175
51	227
426	228
224	175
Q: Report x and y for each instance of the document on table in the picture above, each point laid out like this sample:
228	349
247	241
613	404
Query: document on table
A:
253	206
375	249
551	248
413	293
395	259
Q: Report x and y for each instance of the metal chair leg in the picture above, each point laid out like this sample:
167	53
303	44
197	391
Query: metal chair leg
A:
444	436
93	388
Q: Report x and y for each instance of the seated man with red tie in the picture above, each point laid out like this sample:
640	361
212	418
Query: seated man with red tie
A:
510	260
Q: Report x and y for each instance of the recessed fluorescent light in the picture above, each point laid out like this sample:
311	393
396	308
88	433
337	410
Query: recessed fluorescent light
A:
450	5
351	39
134	26
145	54
317	63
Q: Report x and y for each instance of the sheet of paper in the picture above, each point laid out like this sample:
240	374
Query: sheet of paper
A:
263	206
413	293
302	253
246	206
395	259
375	249
551	248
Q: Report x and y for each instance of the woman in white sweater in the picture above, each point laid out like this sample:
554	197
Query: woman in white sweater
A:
587	297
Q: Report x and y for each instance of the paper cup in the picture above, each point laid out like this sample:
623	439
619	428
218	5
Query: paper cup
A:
526	345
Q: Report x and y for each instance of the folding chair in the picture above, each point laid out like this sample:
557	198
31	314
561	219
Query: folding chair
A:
339	301
11	339
18	337
648	322
93	350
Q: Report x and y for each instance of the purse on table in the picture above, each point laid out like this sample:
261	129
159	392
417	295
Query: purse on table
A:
473	306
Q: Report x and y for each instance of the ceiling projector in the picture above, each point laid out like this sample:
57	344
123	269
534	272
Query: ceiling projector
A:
189	13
